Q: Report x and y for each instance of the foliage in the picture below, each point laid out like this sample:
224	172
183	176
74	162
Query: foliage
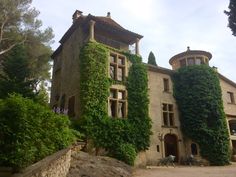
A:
16	74
42	96
126	153
138	112
232	16
19	25
29	132
94	86
198	94
109	133
152	59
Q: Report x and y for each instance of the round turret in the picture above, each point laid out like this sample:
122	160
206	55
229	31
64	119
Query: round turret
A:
190	57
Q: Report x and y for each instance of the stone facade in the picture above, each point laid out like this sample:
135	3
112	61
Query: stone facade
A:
167	137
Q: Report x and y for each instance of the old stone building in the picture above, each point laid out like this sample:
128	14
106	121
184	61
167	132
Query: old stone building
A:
167	137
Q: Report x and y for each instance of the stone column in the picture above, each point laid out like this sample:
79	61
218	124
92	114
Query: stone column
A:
137	47
91	30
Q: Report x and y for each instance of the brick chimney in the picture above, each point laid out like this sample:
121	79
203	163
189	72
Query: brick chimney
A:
76	15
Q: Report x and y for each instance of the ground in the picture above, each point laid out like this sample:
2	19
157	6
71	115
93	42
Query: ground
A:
85	165
186	171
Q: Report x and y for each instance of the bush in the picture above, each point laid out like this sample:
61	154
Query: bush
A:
29	132
126	153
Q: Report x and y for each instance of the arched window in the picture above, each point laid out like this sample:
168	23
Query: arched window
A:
194	149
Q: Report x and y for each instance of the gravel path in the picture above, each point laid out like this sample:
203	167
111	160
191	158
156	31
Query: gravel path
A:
183	171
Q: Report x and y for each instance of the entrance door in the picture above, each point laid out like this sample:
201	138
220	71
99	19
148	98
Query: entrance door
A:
171	146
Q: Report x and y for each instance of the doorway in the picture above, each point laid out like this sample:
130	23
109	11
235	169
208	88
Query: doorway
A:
171	146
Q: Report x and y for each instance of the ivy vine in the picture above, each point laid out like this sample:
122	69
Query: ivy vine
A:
198	95
114	135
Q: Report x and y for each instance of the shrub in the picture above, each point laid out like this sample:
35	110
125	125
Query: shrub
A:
29	132
126	153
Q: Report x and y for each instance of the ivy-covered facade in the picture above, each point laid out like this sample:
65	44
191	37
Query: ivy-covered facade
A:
131	108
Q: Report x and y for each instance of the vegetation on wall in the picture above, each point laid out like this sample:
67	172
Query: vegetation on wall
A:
138	112
198	94
122	138
94	87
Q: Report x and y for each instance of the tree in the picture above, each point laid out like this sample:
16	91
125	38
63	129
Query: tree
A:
152	59
16	74
232	16
19	25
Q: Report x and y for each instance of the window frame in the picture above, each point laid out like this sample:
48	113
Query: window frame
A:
117	65
168	118
166	85
230	97
116	100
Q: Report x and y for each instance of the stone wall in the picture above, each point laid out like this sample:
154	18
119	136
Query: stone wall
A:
56	165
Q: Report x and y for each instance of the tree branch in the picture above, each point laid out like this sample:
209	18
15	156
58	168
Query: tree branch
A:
11	46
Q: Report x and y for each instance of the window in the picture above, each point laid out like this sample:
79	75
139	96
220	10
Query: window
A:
199	60
190	61
182	62
166	85
194	149
71	106
230	97
117	103
117	67
168	114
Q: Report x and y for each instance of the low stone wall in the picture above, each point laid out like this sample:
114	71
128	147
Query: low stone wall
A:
56	165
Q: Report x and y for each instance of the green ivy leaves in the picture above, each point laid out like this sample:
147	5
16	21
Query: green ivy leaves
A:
198	95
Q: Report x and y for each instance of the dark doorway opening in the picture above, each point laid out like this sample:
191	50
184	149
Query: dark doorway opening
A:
171	146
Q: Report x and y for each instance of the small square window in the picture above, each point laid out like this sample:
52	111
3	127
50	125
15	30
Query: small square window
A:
170	107
165	107
120	74
198	60
166	84
113	93
112	71
112	58
121	61
165	118
182	62
230	97
121	95
190	61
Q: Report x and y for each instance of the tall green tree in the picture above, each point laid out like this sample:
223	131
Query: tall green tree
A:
232	16
16	74
19	25
152	59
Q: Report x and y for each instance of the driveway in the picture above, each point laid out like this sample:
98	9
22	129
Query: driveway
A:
186	171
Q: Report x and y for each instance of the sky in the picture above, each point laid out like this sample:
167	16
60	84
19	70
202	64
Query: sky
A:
168	26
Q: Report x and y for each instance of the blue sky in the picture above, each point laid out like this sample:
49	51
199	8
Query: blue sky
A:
168	26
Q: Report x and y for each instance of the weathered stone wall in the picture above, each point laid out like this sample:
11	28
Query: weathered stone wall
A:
56	165
229	108
157	97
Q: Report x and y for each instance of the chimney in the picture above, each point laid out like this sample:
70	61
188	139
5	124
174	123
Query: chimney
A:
108	14
76	15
